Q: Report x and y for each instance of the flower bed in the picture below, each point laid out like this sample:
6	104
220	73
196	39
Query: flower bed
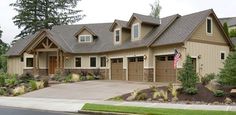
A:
14	85
165	94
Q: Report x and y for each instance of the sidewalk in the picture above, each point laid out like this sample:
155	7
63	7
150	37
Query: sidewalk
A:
68	105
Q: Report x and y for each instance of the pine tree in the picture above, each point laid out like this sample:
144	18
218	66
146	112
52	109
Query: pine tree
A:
187	75
155	9
34	15
226	28
227	75
3	49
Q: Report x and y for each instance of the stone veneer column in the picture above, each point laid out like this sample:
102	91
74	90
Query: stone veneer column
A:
148	74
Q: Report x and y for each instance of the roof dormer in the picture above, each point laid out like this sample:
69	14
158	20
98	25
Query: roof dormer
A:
121	32
85	35
141	25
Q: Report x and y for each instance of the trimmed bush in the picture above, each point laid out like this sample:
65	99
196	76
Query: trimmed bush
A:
207	78
2	81
19	90
3	91
219	93
191	91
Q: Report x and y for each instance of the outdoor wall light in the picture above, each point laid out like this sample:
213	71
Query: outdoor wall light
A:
145	57
199	56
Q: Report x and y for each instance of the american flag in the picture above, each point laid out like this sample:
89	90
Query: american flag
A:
176	58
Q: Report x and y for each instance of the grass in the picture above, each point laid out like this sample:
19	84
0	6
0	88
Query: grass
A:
151	111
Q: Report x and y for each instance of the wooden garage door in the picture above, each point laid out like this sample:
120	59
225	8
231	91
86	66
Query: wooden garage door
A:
165	71
117	69
135	69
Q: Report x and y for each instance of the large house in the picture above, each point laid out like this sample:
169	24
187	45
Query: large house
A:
140	49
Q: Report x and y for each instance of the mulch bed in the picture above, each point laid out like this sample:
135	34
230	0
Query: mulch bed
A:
204	95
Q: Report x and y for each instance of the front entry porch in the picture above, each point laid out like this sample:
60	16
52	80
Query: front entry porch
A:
48	58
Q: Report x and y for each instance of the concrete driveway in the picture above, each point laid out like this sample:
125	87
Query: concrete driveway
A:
88	90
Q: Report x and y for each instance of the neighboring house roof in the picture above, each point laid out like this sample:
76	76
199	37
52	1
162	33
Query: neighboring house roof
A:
233	40
231	21
172	30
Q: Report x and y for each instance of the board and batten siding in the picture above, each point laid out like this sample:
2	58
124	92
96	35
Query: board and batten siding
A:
210	58
14	65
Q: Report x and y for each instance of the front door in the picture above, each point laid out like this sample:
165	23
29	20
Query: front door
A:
52	64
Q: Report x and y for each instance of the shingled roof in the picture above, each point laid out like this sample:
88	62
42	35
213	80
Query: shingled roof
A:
231	21
172	30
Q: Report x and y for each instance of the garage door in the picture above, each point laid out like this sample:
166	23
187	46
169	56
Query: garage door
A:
135	69
117	69
165	71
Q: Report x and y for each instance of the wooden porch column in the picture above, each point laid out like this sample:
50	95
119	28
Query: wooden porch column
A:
61	58
57	60
34	64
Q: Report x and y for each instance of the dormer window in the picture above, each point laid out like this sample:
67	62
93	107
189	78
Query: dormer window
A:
85	38
209	28
135	31
117	36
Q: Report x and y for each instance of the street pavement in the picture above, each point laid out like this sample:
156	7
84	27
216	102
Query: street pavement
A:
20	111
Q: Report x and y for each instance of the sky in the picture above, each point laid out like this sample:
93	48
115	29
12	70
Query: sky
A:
100	11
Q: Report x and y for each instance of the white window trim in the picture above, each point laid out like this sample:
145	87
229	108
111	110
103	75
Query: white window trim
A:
91	39
224	55
25	58
90	61
117	42
100	61
210	34
139	34
75	61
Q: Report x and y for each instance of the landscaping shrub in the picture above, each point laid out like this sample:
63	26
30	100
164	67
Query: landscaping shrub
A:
228	100
11	81
164	95
2	81
3	91
97	74
90	77
68	78
26	77
18	90
33	85
174	92
141	96
117	98
219	93
153	88
188	76
170	87
39	84
191	90
227	75
207	78
156	94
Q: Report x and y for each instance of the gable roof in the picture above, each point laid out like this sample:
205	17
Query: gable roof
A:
231	21
121	23
183	28
85	28
173	30
144	19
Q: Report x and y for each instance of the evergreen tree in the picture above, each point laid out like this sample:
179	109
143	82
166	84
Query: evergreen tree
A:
187	75
227	75
226	28
232	33
155	9
34	15
3	49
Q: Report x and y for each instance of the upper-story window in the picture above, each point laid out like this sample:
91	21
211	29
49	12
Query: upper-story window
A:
117	35
209	28
85	38
135	31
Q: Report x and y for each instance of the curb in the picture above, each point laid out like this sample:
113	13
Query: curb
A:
102	113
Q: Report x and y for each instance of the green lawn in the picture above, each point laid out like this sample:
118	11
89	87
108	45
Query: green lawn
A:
151	111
